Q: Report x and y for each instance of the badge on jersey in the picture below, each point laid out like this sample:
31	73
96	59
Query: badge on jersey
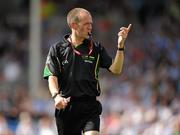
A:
88	59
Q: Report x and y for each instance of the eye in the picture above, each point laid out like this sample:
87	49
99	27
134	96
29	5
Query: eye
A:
88	24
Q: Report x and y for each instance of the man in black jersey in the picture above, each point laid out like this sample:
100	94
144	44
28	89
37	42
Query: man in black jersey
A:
72	68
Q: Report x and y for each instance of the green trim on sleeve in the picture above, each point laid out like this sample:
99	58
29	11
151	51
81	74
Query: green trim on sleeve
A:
47	72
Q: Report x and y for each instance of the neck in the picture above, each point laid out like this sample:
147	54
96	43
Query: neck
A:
75	39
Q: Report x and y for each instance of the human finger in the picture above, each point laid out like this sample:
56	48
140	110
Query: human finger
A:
64	102
68	99
129	27
59	106
123	28
122	33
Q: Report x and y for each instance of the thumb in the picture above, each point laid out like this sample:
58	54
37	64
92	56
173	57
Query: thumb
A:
68	99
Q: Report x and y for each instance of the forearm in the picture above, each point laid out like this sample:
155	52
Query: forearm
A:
53	85
117	63
60	102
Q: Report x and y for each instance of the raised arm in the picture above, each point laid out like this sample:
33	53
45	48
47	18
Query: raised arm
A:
118	61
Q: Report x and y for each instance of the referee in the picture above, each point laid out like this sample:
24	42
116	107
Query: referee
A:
72	68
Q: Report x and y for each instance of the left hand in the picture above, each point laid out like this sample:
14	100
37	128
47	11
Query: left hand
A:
123	33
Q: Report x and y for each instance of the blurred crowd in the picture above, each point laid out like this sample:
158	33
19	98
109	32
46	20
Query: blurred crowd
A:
143	100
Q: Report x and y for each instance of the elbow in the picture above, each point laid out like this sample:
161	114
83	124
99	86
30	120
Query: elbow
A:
117	72
115	69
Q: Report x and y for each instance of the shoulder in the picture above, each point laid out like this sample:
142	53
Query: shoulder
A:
57	48
60	45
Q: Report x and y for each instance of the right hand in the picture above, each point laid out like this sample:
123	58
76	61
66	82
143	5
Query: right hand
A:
61	102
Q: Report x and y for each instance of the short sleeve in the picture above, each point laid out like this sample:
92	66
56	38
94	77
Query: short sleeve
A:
105	59
52	66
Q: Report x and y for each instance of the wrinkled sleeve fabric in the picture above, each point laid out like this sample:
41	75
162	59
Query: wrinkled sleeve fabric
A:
105	59
52	66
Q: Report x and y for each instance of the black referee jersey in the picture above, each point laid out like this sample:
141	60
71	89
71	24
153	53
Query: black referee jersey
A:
77	73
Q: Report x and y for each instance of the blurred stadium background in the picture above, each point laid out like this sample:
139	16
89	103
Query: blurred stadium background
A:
144	100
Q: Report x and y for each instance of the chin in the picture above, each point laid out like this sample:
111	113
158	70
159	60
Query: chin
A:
87	36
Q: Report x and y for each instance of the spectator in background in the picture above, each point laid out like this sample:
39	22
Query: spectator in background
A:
4	130
25	125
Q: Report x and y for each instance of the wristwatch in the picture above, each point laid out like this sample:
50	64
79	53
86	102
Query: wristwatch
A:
120	49
54	94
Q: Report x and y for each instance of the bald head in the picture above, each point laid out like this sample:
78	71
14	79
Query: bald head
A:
74	15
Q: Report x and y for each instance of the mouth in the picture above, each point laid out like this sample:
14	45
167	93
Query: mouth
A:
89	34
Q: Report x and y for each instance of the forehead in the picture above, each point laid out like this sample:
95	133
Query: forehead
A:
85	17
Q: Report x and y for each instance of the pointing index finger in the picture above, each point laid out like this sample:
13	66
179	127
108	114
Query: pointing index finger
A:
129	27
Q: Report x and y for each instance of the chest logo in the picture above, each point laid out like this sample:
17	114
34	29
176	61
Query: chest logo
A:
88	59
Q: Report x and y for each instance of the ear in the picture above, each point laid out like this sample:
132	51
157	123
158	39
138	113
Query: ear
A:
73	26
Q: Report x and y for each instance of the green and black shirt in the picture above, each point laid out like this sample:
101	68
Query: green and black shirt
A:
77	74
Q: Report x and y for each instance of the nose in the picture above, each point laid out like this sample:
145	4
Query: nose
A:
90	28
